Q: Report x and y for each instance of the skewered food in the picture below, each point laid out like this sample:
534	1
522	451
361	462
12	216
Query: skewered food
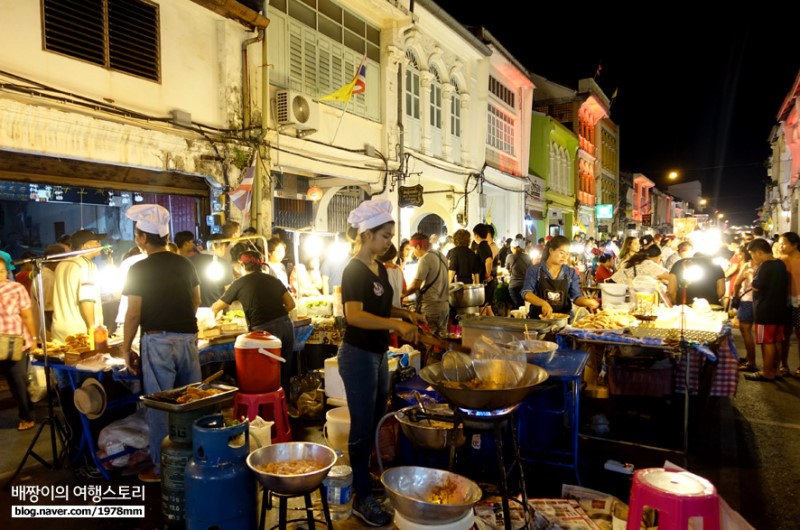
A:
605	319
193	394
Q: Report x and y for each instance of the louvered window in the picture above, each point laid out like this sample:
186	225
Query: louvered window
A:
121	35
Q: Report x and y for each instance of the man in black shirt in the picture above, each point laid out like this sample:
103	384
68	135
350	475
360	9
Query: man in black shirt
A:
770	307
485	255
709	284
163	296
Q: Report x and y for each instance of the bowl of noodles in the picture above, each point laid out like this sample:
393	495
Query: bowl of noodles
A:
429	496
292	468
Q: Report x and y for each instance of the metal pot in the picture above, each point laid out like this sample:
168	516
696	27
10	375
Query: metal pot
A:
435	435
463	295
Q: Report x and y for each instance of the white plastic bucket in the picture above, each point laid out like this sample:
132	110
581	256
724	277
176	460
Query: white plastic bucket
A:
337	429
613	294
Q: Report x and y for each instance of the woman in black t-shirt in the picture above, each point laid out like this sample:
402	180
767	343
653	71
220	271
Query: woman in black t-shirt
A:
259	294
363	363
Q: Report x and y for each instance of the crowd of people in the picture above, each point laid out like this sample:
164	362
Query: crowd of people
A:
387	293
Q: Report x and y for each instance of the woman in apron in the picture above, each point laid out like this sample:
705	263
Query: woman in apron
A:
552	286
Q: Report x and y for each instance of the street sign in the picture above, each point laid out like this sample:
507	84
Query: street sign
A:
604	211
410	196
647	219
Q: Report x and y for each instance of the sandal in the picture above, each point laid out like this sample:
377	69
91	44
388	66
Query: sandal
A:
748	368
783	372
758	376
26	425
797	373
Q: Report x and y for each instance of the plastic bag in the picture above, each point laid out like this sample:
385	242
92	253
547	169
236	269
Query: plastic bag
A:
260	433
498	365
37	385
131	431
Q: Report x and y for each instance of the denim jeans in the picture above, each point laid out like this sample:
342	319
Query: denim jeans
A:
169	360
16	373
365	375
283	329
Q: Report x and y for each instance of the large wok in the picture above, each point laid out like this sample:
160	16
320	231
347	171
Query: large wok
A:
483	399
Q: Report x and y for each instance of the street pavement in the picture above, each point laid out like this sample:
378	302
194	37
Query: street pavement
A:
747	446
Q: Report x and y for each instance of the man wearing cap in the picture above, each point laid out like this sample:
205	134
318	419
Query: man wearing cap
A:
430	283
77	307
163	296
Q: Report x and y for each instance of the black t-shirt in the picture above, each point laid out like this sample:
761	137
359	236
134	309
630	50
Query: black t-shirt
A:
359	284
261	296
706	286
485	252
166	283
770	288
210	289
464	263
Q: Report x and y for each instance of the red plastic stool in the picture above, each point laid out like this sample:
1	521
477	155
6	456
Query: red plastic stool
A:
270	406
677	496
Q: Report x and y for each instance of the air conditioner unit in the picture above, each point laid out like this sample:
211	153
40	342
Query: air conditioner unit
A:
296	110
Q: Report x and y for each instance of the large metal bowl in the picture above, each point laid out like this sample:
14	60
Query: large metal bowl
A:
285	452
433	435
465	397
429	496
467	295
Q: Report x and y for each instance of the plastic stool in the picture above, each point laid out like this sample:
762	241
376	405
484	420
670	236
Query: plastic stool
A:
677	496
271	406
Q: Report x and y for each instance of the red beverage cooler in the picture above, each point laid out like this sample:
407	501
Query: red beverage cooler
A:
258	362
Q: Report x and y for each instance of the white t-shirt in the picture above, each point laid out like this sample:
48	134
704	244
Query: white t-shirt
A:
645	268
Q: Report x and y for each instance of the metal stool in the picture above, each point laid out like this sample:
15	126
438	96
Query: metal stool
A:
677	496
266	503
271	406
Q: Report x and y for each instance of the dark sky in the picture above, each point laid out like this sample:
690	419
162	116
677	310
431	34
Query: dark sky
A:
698	93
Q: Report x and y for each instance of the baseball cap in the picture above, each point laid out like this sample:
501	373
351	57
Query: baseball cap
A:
81	237
518	243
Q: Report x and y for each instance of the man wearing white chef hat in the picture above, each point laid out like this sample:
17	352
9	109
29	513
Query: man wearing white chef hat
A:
163	296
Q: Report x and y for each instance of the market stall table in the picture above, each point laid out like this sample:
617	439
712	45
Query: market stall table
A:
722	363
87	444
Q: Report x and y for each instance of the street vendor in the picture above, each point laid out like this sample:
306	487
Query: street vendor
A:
266	304
552	286
163	296
363	363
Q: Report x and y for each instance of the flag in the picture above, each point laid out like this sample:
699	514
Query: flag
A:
614	95
357	86
243	193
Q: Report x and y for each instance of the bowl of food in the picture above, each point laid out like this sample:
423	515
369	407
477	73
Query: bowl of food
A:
539	352
292	468
429	496
436	435
557	319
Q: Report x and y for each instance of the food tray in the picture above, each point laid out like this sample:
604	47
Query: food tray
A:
691	335
166	400
598	331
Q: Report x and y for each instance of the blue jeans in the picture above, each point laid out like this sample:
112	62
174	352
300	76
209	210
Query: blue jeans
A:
283	329
16	373
365	375
169	360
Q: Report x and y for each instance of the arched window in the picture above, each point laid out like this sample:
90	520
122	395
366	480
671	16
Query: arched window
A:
412	86
436	100
455	110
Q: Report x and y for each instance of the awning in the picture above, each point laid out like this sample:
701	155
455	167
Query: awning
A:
41	169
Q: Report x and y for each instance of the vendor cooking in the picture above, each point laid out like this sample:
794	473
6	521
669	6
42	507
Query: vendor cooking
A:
552	286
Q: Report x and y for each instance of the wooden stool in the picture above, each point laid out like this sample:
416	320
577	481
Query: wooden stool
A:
271	406
678	496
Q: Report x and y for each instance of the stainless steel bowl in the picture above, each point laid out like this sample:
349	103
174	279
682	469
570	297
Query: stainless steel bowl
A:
433	435
429	496
467	295
285	452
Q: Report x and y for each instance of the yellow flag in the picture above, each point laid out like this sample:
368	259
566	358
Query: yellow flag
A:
343	94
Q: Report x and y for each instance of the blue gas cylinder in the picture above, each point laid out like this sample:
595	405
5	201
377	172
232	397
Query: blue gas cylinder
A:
220	490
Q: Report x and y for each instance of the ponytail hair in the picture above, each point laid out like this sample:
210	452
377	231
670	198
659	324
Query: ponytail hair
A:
653	251
555	243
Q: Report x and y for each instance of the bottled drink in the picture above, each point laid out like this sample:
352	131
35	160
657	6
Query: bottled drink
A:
338	488
101	338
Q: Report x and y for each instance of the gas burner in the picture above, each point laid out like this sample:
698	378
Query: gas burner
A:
488	414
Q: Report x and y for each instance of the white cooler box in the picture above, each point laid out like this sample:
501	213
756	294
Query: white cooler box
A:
334	386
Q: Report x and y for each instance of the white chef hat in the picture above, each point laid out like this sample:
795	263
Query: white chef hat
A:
150	218
370	214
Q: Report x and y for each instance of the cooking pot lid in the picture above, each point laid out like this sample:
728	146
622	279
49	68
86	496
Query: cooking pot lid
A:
456	286
257	339
504	323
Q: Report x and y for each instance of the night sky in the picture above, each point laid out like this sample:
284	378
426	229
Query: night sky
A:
698	93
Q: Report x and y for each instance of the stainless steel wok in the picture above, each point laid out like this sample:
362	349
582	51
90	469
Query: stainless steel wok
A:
466	397
467	295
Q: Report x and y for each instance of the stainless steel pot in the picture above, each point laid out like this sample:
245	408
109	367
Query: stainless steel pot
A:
463	295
